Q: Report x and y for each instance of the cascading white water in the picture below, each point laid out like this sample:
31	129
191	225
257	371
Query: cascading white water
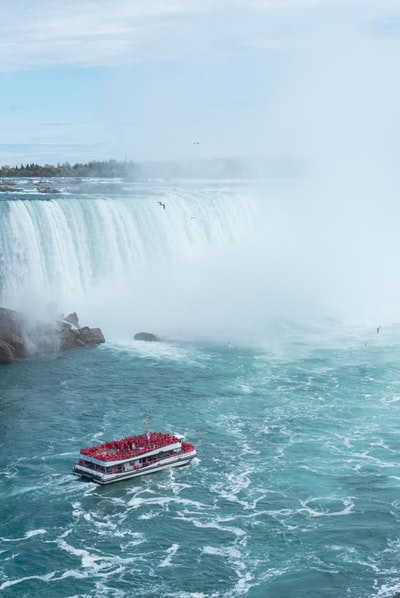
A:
118	258
221	258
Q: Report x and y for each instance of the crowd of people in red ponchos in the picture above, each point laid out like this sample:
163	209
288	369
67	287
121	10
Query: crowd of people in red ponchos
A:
133	446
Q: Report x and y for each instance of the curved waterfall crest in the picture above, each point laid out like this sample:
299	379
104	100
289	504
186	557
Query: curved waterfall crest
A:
58	250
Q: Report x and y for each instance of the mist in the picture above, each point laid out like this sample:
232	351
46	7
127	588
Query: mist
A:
326	100
226	260
337	113
312	231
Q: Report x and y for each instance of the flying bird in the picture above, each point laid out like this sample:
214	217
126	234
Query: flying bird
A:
160	203
196	142
378	329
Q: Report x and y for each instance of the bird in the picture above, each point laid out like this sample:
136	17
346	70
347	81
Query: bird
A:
196	142
160	203
378	329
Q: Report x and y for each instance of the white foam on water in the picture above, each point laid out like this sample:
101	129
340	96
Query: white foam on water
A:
95	563
366	458
10	472
35	532
217	523
7	584
246	388
235	558
231	422
387	590
74	573
160	350
108	591
137	539
182	353
327	506
226	552
234	484
170	483
164	502
171	551
149	515
191	595
29	534
77	510
246	449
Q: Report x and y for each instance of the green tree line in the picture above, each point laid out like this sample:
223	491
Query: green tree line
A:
106	169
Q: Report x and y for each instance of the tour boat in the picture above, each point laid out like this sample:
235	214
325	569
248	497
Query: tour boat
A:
133	456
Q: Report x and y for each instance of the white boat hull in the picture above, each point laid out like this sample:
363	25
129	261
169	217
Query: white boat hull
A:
178	460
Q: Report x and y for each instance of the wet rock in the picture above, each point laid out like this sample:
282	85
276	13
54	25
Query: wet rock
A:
20	337
19	346
46	188
72	338
146	336
73	319
11	324
69	339
91	336
7	352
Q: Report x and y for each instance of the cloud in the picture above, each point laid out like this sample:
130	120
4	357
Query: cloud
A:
250	77
122	32
87	33
43	151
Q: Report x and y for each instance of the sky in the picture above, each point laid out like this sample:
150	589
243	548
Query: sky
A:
140	80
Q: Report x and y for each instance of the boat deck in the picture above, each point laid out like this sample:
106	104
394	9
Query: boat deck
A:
135	446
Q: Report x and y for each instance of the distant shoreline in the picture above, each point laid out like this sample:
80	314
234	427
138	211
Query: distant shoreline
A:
106	169
218	168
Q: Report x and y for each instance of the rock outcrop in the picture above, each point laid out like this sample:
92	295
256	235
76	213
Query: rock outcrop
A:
20	337
146	336
71	338
11	335
7	352
72	319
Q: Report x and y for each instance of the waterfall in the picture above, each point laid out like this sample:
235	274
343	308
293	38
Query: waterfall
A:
123	253
220	255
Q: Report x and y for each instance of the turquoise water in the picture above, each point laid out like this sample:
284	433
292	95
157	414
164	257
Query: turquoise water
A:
295	488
